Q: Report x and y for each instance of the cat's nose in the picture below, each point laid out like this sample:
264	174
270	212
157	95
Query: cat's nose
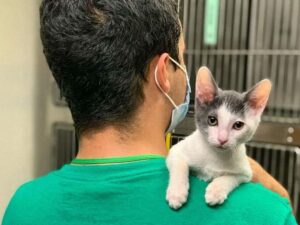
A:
222	141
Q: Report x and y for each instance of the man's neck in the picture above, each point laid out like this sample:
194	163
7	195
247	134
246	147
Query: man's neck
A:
111	143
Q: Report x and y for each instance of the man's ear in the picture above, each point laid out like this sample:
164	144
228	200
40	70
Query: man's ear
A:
206	87
162	78
257	97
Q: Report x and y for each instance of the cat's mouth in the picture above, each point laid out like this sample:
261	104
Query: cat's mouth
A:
222	147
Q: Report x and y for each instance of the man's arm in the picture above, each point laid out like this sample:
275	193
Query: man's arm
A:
263	177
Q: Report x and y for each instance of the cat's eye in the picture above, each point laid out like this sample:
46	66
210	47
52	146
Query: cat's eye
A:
212	121
238	125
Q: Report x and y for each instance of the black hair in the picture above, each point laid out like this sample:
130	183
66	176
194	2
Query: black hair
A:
99	52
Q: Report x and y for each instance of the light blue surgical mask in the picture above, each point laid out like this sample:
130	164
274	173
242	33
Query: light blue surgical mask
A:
179	112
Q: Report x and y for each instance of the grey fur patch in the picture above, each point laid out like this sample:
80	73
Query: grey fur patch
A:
234	101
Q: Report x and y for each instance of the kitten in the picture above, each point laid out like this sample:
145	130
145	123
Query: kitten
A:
216	151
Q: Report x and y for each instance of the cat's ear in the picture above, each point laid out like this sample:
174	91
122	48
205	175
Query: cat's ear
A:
206	87
257	97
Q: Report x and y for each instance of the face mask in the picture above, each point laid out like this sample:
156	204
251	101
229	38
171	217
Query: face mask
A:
179	112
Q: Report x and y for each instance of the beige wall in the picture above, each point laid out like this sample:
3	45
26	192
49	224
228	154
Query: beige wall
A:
25	107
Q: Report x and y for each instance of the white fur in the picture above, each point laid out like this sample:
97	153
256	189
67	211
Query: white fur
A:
226	168
222	131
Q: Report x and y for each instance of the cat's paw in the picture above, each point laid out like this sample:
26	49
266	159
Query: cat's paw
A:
177	195
215	194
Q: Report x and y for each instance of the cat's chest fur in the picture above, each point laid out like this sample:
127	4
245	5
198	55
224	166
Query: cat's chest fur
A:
209	163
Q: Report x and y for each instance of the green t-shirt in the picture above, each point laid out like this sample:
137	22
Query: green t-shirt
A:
134	193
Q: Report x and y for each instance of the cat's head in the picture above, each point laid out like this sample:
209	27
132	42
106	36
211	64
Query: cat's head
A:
228	118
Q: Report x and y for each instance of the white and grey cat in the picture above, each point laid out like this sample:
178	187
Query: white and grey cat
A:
216	151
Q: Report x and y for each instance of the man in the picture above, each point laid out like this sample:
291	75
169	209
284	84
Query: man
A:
119	65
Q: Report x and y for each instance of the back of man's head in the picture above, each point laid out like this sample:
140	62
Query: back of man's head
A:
99	52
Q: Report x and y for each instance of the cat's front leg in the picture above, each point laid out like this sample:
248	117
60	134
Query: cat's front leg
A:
178	188
218	190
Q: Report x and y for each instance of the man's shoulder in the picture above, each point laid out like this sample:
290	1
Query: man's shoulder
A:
258	194
37	185
264	204
27	198
249	202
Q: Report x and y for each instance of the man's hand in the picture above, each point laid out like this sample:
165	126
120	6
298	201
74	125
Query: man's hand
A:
261	176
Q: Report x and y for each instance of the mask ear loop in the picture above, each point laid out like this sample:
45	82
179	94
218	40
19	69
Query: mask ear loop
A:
155	76
185	72
178	6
